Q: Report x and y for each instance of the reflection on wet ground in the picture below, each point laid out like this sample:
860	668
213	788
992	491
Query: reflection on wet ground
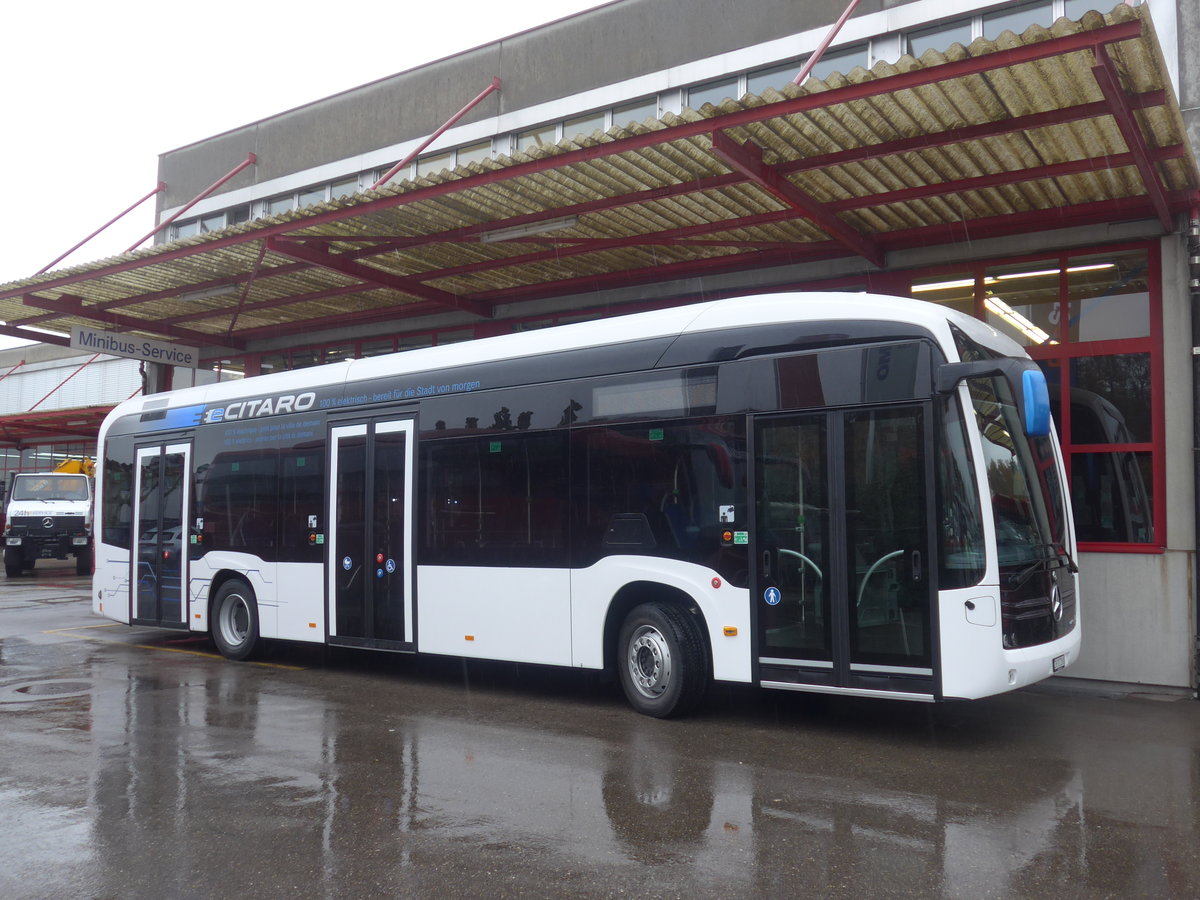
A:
138	765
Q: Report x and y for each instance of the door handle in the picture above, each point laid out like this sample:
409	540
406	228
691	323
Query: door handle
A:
916	565
766	564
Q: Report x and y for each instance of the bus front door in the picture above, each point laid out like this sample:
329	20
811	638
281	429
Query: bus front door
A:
370	590
844	589
160	556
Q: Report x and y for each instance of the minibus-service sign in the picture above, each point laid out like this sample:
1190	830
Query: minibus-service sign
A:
98	340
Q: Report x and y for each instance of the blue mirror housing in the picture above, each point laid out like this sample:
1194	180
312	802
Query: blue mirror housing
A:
1036	406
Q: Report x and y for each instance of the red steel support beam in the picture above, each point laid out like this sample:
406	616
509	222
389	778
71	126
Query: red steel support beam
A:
39	336
491	88
95	357
250	160
747	159
13	369
320	256
69	305
1110	84
824	45
54	262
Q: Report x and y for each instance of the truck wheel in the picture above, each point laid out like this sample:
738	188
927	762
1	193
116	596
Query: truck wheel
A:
662	660
83	562
12	563
234	623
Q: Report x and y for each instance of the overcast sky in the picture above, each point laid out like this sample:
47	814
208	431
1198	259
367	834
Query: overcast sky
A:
91	93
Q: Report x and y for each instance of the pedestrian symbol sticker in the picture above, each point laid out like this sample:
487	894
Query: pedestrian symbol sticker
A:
772	596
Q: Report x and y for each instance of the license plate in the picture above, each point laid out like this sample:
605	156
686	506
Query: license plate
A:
1060	662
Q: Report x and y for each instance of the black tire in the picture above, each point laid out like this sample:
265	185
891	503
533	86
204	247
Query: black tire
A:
12	563
662	660
83	562
234	622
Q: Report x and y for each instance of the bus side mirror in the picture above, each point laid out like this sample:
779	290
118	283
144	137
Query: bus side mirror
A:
1036	406
1027	381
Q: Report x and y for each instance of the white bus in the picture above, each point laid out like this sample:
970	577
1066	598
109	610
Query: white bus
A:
841	493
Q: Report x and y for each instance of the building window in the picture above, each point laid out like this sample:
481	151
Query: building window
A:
637	112
1090	320
713	92
1016	18
312	195
542	136
474	153
187	229
431	165
276	205
344	188
940	37
584	126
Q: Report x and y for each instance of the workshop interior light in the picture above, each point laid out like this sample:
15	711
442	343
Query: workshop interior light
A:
527	229
1016	320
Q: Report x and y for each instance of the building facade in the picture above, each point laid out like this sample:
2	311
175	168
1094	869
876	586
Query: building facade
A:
1102	298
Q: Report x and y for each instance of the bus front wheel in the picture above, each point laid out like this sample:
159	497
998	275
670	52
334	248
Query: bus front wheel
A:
662	660
235	620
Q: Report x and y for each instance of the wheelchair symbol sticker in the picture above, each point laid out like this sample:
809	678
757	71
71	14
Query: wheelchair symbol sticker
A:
772	596
347	562
390	566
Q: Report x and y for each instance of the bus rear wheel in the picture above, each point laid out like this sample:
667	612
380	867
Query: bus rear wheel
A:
662	660
235	620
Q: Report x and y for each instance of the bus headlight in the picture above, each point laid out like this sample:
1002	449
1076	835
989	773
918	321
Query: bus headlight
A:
12	542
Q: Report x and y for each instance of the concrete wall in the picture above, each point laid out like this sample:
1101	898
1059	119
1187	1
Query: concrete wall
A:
598	47
1188	23
1137	615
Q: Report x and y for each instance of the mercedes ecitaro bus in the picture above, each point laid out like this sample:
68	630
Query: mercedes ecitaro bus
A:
842	493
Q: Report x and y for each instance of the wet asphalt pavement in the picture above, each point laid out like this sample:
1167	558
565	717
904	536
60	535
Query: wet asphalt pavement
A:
135	763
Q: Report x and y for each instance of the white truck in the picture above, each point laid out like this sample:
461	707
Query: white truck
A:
48	515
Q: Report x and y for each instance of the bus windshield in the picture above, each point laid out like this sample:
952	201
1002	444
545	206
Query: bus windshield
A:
1026	493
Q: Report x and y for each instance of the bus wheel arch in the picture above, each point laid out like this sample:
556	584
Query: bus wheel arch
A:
233	617
656	639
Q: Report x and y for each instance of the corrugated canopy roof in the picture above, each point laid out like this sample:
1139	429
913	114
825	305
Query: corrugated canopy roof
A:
1072	124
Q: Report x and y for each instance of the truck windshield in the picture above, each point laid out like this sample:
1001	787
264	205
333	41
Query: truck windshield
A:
1027	497
50	487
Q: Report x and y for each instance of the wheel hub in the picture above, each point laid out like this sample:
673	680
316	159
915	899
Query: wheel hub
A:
649	661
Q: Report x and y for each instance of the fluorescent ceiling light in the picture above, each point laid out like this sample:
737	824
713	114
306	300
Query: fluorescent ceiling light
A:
1016	320
529	228
1040	273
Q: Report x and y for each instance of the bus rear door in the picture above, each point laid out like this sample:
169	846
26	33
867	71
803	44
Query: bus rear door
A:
370	564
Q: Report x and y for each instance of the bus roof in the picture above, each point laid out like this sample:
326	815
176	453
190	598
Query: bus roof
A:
714	315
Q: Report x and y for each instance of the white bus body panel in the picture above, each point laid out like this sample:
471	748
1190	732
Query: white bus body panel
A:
258	574
110	583
301	604
518	615
723	606
974	661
